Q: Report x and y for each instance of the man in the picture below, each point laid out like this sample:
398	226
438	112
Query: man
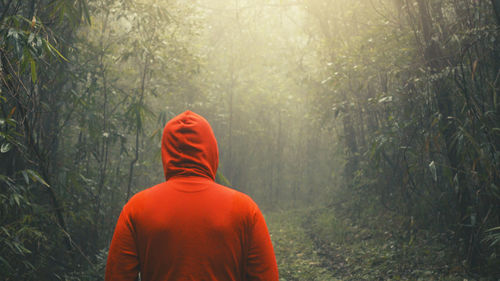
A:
189	227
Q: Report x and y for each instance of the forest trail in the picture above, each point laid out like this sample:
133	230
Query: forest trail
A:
296	252
315	245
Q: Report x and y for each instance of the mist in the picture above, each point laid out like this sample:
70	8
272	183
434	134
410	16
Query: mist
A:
366	131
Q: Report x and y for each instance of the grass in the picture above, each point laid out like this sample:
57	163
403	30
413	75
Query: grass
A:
319	245
295	251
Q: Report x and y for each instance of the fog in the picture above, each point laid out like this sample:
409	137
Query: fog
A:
366	130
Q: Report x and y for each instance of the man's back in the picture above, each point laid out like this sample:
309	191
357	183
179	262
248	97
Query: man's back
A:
189	227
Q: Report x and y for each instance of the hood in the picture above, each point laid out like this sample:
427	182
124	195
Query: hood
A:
188	147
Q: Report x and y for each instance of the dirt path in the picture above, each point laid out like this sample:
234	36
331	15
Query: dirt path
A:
298	259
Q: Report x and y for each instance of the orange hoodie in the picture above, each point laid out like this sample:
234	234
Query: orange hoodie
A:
189	227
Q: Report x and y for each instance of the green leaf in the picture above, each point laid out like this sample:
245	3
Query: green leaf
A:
36	177
25	60
5	147
432	167
33	70
493	229
85	9
52	48
385	99
25	176
5	179
4	261
17	199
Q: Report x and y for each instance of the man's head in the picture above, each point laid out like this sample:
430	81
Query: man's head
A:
189	147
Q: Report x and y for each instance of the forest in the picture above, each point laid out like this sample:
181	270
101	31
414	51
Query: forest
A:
368	131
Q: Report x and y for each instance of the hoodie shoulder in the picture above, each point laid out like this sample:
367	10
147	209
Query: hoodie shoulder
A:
241	201
141	196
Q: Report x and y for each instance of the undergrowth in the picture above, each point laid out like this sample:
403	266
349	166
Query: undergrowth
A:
295	251
322	244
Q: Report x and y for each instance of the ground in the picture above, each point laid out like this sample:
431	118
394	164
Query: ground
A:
317	245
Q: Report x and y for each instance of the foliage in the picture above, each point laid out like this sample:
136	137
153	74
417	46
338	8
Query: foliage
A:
387	247
71	116
413	85
387	107
325	244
